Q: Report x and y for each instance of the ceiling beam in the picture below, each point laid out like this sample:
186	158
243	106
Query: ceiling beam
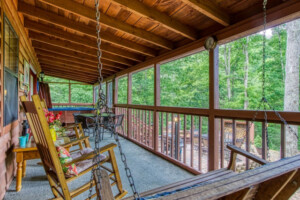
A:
87	41
65	51
89	13
141	9
210	10
73	78
55	68
90	45
71	67
68	45
55	55
67	71
70	63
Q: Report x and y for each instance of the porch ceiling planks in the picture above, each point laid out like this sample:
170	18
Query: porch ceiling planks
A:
141	9
209	9
81	48
83	11
58	56
77	54
79	27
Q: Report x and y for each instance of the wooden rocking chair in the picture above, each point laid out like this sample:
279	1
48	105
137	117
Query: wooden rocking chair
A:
49	156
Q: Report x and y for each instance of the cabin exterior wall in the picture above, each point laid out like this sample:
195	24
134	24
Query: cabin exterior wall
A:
9	134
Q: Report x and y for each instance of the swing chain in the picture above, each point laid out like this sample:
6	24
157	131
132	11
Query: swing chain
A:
127	169
101	104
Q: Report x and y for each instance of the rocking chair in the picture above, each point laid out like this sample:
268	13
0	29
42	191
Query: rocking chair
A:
49	156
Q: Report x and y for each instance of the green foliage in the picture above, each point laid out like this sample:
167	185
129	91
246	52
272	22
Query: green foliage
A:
59	90
122	90
143	87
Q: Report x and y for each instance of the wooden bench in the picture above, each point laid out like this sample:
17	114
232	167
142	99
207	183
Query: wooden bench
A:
277	180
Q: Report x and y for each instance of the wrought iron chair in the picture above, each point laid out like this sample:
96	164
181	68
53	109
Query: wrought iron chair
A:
112	126
49	156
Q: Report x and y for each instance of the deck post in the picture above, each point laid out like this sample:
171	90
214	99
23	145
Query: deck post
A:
156	103
129	100
115	93
213	130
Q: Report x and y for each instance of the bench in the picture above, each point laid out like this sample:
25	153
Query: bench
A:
276	180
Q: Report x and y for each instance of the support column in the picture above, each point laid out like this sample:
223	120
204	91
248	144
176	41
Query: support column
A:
213	129
129	101
115	99
156	103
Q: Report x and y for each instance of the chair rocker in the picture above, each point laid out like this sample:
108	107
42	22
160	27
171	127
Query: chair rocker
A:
51	163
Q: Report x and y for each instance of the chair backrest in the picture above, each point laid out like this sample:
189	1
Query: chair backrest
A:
41	133
80	119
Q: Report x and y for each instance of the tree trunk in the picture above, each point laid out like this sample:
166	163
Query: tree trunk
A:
291	92
227	49
246	69
277	30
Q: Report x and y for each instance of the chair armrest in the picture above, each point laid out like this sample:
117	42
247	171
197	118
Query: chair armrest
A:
235	150
92	154
75	142
70	126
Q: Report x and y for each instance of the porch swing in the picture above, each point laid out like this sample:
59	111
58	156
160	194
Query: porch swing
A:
188	188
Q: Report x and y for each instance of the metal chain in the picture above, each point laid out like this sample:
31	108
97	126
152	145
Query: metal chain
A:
101	103
127	169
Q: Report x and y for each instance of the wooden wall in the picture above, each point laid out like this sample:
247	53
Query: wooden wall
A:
10	133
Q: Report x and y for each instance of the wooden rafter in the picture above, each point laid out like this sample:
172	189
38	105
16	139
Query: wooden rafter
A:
70	77
69	66
71	41
62	71
89	13
65	51
210	10
141	9
70	63
68	45
71	70
87	41
58	56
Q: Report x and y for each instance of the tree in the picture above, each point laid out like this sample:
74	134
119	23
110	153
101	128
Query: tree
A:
246	69
291	92
227	51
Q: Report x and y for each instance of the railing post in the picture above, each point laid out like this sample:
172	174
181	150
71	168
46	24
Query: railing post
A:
156	103
129	100
213	130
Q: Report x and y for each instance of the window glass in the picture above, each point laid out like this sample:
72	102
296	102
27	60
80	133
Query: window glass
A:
143	87
110	94
184	82
122	90
59	92
81	93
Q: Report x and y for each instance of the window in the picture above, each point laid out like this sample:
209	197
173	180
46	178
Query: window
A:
11	60
61	90
184	82
240	69
81	93
143	87
122	90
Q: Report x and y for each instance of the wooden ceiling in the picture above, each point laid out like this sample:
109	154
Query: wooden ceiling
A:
63	32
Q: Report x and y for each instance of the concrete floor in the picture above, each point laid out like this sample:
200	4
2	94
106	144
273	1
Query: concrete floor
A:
148	170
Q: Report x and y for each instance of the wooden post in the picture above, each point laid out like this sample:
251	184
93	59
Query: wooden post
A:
213	130
129	100
115	100
156	103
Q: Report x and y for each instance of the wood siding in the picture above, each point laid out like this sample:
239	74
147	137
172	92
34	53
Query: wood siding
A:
9	134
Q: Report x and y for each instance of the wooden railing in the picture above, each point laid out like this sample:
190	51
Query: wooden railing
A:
181	135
